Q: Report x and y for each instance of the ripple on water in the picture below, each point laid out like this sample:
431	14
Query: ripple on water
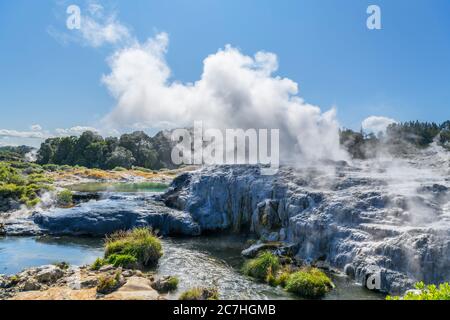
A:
199	268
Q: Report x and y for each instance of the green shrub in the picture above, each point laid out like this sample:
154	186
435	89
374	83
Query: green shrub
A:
139	243
426	292
264	267
122	260
200	294
98	263
309	283
64	198
32	203
108	284
39	178
50	167
16	184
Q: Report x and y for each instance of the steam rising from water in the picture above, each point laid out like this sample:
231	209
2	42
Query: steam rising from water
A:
234	91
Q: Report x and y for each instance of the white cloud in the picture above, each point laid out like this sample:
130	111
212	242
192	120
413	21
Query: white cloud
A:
106	30
36	127
97	28
37	135
74	131
234	91
5	133
376	124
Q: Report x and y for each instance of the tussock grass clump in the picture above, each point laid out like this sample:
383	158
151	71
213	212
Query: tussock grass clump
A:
200	294
123	260
139	246
309	283
108	284
264	267
426	292
98	263
282	277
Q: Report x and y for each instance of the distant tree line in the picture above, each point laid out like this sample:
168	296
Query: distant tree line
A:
400	138
10	153
91	150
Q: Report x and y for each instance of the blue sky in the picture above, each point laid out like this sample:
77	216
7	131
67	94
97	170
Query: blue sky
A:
401	72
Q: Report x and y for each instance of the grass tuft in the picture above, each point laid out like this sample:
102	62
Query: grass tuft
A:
309	283
264	267
426	292
139	245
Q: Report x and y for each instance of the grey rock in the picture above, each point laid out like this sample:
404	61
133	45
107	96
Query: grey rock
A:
162	285
106	268
90	282
30	285
346	218
253	250
3	282
49	274
119	212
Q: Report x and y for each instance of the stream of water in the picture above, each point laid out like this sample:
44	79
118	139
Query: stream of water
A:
204	261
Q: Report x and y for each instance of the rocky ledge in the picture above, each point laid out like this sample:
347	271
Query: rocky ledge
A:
343	216
105	216
61	282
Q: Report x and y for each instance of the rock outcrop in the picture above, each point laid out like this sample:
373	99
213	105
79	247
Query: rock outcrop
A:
76	283
352	217
117	212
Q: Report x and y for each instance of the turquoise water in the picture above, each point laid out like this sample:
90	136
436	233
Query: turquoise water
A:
17	253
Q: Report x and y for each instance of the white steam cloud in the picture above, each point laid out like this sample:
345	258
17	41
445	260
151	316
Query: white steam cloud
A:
234	91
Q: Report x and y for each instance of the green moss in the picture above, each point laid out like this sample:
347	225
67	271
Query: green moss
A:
139	243
426	292
200	294
282	278
264	267
309	283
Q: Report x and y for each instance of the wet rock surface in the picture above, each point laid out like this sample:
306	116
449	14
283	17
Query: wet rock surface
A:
105	216
390	217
